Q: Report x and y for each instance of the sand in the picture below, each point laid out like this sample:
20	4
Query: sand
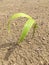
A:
34	50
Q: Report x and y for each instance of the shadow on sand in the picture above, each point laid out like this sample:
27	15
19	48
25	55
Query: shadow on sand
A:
11	48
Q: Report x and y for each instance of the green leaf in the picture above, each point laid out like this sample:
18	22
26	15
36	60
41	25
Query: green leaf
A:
17	15
27	26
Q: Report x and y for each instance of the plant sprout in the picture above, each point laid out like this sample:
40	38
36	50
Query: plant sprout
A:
27	26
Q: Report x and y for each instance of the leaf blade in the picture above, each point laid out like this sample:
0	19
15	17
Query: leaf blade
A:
27	25
26	28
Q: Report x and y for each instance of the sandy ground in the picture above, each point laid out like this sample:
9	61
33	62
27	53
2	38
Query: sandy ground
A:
33	50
